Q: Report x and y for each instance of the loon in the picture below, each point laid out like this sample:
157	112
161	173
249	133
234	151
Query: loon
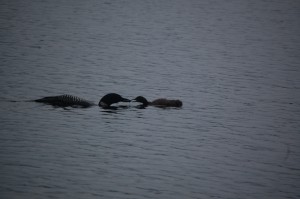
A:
73	101
162	102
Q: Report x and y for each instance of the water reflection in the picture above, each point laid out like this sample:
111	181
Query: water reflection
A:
114	109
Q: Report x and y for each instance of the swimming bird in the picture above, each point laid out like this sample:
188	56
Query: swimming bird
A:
162	102
111	98
73	101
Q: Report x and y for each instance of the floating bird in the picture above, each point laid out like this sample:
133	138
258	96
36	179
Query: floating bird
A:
162	102
73	101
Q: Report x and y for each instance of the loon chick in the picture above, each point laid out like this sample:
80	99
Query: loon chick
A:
70	100
162	102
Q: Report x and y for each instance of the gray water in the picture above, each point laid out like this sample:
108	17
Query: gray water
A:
234	64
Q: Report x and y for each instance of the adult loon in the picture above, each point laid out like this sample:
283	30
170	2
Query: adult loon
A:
162	102
73	101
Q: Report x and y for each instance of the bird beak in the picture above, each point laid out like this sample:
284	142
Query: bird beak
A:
126	100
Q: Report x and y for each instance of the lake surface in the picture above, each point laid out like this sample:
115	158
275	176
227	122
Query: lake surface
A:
234	64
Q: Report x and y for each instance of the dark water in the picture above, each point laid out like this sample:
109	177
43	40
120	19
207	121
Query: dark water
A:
234	64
